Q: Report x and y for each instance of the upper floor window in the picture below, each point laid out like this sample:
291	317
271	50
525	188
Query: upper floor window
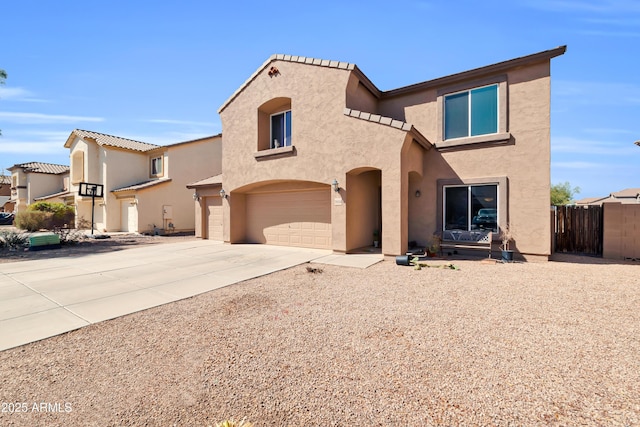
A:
156	166
281	130
471	112
77	167
274	126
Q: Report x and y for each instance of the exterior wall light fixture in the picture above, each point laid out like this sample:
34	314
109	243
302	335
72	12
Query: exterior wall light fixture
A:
336	186
418	193
223	194
196	197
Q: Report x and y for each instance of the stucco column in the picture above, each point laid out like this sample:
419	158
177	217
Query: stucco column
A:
339	215
394	212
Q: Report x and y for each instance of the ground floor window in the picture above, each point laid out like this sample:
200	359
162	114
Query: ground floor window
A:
471	207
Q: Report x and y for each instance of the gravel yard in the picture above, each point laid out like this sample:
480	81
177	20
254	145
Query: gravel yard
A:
553	343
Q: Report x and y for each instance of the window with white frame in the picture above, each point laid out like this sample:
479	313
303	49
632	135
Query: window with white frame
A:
156	166
470	207
281	130
471	112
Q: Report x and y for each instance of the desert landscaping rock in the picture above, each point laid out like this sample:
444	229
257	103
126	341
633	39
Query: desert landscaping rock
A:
507	344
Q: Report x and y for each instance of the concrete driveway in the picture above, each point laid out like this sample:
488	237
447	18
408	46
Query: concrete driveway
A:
43	298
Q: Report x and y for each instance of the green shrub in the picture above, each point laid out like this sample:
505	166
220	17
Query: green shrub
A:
33	221
13	240
63	215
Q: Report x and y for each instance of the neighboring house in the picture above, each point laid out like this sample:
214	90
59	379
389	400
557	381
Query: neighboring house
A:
626	196
315	155
5	193
144	184
589	201
34	181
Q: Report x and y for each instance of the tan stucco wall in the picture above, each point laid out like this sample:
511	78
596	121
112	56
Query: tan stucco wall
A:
525	160
329	145
117	168
621	231
32	185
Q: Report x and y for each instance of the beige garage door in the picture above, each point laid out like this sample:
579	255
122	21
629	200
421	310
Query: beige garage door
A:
214	218
296	218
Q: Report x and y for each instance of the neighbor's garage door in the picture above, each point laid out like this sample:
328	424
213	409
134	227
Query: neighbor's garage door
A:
129	216
296	218
214	218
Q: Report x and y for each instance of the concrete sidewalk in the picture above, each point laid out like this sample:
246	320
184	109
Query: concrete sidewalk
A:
43	298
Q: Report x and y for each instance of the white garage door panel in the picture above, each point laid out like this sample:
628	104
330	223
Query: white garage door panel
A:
214	218
299	218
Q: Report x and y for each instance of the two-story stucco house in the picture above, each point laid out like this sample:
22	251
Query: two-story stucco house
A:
34	181
144	184
315	155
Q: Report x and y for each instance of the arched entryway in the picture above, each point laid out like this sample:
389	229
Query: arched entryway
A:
364	207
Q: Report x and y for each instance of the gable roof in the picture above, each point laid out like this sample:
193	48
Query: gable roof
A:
388	121
627	192
110	141
213	180
474	73
288	58
39	167
142	185
191	141
61	194
590	201
479	72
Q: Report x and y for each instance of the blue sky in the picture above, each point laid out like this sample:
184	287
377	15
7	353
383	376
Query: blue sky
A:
158	71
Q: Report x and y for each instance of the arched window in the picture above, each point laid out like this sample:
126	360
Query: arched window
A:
77	167
275	124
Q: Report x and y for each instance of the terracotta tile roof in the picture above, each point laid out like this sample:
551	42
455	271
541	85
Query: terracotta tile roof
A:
627	192
111	141
214	180
39	167
447	80
590	201
142	185
388	121
288	58
193	140
54	195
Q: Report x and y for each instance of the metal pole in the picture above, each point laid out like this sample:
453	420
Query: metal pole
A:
93	208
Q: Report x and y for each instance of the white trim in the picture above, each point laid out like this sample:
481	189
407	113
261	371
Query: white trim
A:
284	129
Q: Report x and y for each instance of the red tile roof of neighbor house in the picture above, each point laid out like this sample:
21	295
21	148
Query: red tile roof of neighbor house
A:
103	139
61	194
110	141
213	180
39	167
142	185
591	201
627	192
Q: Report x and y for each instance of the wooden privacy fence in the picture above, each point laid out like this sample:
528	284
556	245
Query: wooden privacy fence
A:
578	229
